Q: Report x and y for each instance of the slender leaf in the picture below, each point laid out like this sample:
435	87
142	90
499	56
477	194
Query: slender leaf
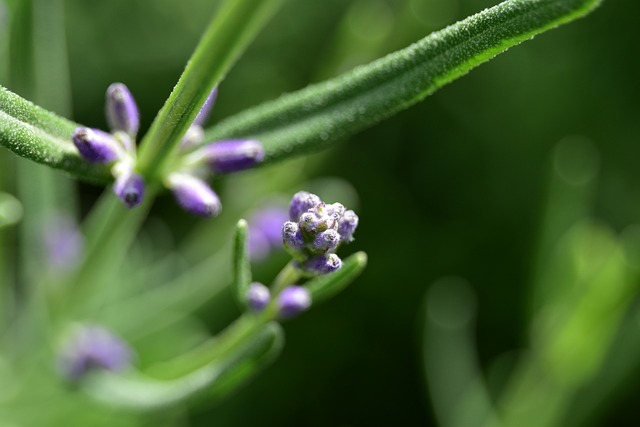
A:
39	135
327	112
138	392
250	365
324	287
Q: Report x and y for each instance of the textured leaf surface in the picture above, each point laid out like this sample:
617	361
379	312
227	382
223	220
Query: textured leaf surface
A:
39	135
320	114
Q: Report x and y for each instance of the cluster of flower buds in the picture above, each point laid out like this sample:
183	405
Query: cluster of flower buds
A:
188	181
92	347
315	231
118	147
290	302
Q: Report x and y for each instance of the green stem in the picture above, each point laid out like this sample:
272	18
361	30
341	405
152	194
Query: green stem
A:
225	39
287	276
234	335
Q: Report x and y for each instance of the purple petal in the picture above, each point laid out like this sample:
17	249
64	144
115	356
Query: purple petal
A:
194	195
129	187
233	155
63	242
96	146
265	231
326	241
321	264
347	225
258	296
301	202
93	347
121	110
292	237
293	300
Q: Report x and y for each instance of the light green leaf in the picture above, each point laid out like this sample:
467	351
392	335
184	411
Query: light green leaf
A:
136	391
39	135
324	113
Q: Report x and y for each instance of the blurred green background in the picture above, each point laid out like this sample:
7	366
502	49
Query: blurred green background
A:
455	186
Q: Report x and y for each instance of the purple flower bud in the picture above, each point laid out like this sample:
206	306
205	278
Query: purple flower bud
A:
128	186
121	110
265	231
308	223
96	146
292	237
321	264
194	195
336	208
327	222
301	202
232	155
347	225
203	115
63	242
258	296
293	300
93	347
327	241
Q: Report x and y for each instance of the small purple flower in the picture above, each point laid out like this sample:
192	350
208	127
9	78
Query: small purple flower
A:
194	195
326	241
63	242
258	296
292	238
121	110
203	115
96	146
265	231
347	225
293	300
321	264
232	155
301	202
93	347
129	187
308	223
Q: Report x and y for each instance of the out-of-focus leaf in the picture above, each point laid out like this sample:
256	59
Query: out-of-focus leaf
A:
136	391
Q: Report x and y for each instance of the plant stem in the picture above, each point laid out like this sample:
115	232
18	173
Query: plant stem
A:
226	38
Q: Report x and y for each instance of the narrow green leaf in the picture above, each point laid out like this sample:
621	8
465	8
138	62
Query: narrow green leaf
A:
250	365
39	135
324	113
136	391
233	27
241	265
324	287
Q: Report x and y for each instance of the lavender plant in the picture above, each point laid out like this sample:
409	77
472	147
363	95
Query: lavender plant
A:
89	322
